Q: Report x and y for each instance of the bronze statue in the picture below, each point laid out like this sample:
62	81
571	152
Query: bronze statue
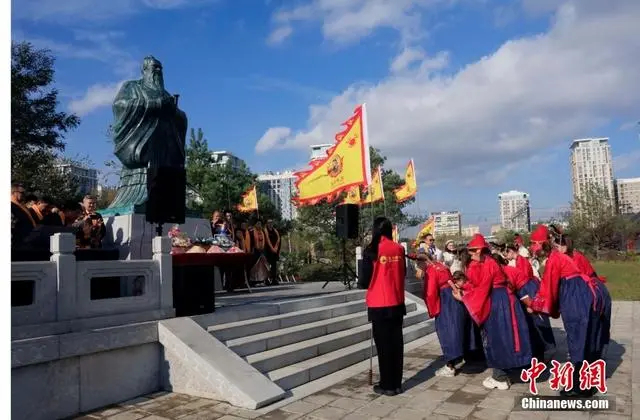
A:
149	131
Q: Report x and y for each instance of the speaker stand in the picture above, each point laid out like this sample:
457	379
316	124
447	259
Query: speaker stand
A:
159	229
348	275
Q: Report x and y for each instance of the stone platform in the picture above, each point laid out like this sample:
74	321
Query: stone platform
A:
426	396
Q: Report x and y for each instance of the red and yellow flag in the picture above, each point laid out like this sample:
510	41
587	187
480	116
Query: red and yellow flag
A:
346	164
374	192
426	228
353	195
410	187
249	201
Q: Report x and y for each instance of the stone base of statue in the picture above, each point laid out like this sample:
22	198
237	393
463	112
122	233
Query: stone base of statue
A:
129	232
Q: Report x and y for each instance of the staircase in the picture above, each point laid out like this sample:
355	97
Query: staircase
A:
312	337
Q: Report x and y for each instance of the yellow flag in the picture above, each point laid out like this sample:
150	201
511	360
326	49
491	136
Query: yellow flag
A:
426	228
374	192
346	164
249	201
353	196
410	187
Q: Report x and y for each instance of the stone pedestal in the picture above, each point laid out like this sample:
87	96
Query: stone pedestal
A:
132	235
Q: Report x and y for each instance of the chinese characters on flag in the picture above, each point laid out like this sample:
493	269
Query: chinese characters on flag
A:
346	164
592	375
249	201
353	195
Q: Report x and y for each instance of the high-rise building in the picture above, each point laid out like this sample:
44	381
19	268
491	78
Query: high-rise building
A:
87	178
222	158
446	223
591	164
515	213
470	230
628	195
320	150
280	188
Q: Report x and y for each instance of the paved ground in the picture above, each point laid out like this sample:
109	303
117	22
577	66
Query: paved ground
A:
426	396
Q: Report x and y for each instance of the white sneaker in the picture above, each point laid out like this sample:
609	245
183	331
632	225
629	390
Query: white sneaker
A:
493	384
446	371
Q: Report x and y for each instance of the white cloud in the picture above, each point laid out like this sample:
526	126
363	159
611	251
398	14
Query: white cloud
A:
279	34
529	94
629	160
96	96
345	21
271	138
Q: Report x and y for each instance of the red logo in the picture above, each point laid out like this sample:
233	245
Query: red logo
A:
561	376
594	375
532	374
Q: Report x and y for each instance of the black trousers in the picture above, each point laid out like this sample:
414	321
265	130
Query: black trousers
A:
273	267
387	335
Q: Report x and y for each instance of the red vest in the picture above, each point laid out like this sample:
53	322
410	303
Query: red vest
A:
387	282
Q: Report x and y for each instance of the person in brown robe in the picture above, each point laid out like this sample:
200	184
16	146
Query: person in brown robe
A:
272	251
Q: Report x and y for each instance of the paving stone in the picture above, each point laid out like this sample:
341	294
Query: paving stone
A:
300	407
358	416
475	389
154	417
129	415
569	415
408	414
202	415
349	404
460	397
502	403
378	410
328	413
528	415
113	410
454	409
280	415
320	399
488	414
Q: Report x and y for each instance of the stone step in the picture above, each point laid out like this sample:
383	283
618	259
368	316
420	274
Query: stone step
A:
297	374
269	340
249	327
297	352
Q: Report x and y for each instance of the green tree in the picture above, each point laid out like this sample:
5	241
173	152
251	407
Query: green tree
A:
37	127
221	186
594	224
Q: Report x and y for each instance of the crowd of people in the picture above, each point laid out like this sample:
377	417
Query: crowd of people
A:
496	298
262	242
30	211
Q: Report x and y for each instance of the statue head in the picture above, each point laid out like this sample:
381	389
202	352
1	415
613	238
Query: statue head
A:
152	72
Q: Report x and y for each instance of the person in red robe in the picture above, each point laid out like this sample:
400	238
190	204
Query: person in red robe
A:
565	292
565	245
451	317
494	307
385	305
521	263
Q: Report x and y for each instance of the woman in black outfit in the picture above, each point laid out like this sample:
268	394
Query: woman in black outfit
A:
383	274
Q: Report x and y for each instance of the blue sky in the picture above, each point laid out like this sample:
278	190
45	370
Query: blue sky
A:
484	95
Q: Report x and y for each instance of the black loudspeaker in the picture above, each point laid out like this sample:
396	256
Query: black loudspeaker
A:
347	221
166	195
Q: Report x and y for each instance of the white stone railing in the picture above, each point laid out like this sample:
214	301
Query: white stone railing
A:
62	286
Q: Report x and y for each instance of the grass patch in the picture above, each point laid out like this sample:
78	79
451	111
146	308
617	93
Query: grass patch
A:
623	278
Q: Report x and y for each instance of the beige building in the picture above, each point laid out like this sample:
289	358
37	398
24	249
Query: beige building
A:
515	213
470	230
447	223
628	194
591	163
319	151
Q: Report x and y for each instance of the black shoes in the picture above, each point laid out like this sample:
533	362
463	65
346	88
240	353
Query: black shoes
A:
388	392
577	393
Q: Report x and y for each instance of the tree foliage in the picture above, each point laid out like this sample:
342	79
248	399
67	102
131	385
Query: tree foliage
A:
37	127
594	224
221	186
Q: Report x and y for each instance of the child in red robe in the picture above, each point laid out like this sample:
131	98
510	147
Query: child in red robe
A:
451	318
565	291
494	307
